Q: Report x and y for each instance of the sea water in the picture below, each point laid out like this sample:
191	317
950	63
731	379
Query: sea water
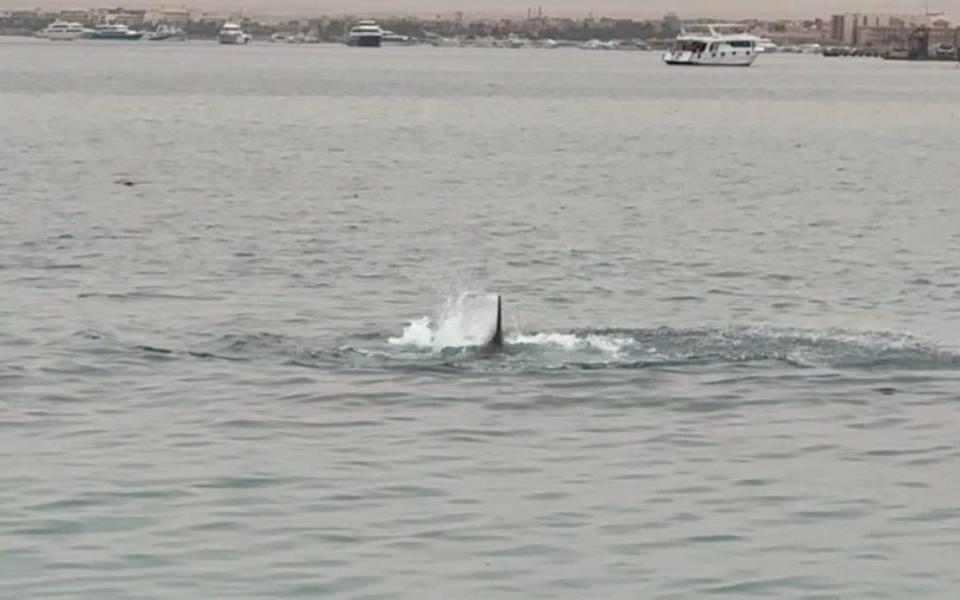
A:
731	302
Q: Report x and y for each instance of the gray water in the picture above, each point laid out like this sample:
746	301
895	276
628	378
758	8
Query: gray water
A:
732	297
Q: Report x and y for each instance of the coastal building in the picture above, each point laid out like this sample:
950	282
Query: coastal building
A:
122	16
76	16
172	16
881	29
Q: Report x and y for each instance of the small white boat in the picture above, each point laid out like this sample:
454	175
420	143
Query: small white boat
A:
233	34
765	45
444	42
396	39
598	45
713	45
366	34
167	33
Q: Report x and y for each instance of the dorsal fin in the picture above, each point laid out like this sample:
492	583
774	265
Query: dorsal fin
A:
497	339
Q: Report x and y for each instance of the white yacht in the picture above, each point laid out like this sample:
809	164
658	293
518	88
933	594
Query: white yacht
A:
713	45
61	31
365	33
231	33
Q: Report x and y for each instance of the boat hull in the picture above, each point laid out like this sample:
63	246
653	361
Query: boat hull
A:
234	40
63	36
126	37
704	59
366	41
167	37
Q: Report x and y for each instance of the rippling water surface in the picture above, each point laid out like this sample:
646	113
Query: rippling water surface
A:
733	325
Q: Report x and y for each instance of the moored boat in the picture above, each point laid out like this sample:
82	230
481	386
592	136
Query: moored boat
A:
366	34
396	39
233	34
167	33
116	32
62	31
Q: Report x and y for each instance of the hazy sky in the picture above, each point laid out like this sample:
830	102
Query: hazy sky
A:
518	7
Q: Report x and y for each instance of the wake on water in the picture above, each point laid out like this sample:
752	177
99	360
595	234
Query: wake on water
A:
466	321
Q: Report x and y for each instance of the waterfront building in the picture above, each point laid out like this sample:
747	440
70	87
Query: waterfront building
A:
880	29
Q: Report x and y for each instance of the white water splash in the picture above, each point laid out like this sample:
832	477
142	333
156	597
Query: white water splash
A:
466	320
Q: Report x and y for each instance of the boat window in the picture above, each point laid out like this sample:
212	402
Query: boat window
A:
689	46
741	44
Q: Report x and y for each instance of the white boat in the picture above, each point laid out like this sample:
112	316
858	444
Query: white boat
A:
61	31
365	34
231	33
516	42
167	33
115	32
597	45
765	45
396	39
445	42
717	45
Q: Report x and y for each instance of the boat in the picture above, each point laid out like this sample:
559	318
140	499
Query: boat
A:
446	42
630	45
233	34
764	45
365	34
896	53
597	45
115	31
61	31
396	39
167	33
944	52
718	45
